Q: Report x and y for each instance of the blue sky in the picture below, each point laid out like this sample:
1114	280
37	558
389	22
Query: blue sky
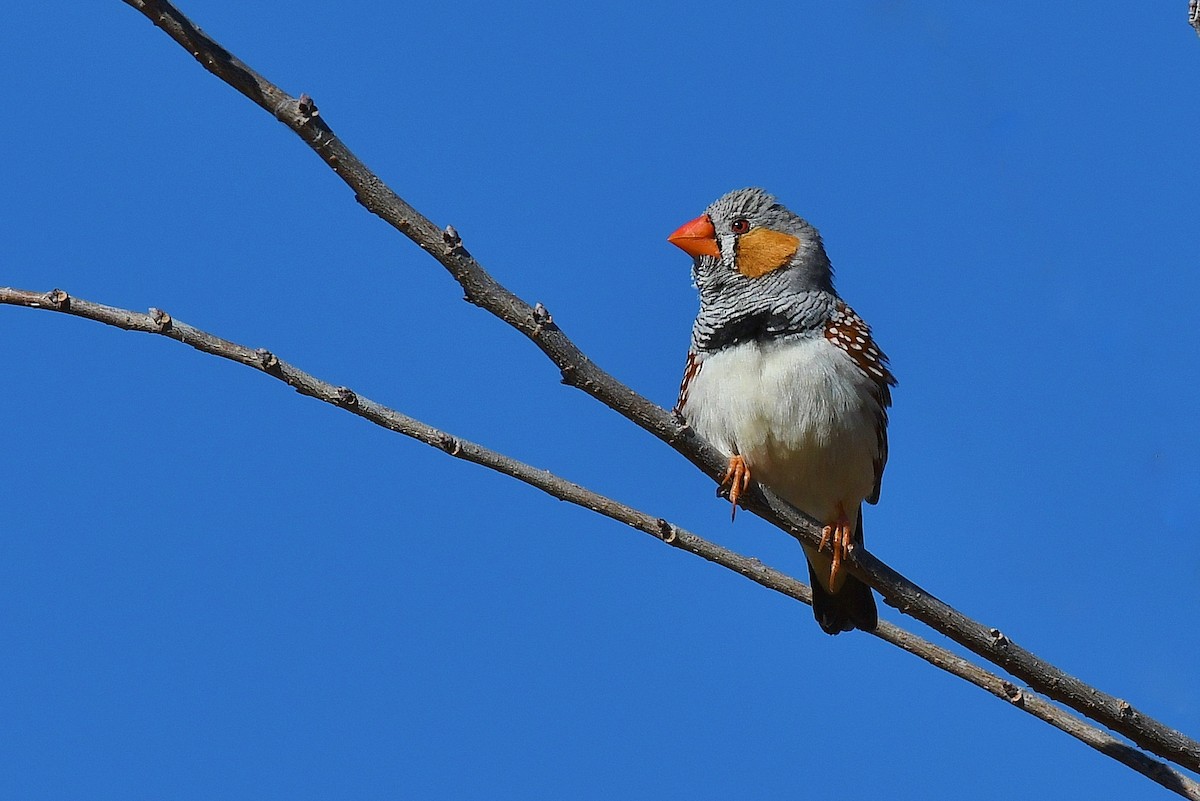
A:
211	587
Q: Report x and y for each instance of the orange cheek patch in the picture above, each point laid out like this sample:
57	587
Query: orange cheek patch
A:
762	251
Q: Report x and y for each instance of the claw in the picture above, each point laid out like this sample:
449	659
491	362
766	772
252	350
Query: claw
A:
835	567
840	542
737	478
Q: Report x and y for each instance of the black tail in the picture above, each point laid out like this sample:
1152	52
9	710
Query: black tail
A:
851	607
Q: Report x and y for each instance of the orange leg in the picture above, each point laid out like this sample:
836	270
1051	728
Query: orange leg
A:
737	478
840	542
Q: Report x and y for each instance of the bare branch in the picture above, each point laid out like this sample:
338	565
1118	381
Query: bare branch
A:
159	322
480	288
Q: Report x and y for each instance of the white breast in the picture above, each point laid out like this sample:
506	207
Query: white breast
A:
800	412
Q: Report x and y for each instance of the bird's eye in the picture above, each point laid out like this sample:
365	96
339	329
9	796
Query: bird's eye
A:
740	226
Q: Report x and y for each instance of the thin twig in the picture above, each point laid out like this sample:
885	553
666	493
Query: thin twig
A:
159	322
302	116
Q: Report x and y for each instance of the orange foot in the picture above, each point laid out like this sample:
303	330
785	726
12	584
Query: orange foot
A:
737	478
840	542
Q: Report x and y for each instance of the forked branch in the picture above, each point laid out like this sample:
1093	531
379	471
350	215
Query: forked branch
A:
302	116
159	322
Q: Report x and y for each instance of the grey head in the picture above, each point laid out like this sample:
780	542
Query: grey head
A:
761	271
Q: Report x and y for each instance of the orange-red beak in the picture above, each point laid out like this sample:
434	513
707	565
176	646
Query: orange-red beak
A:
697	238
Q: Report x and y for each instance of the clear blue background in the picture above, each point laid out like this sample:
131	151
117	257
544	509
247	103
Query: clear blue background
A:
211	587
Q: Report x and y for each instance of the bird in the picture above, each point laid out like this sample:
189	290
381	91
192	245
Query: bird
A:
786	380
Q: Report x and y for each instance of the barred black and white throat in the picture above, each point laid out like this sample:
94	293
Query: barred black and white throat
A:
785	378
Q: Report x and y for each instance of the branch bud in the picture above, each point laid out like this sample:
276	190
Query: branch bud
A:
58	299
161	319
